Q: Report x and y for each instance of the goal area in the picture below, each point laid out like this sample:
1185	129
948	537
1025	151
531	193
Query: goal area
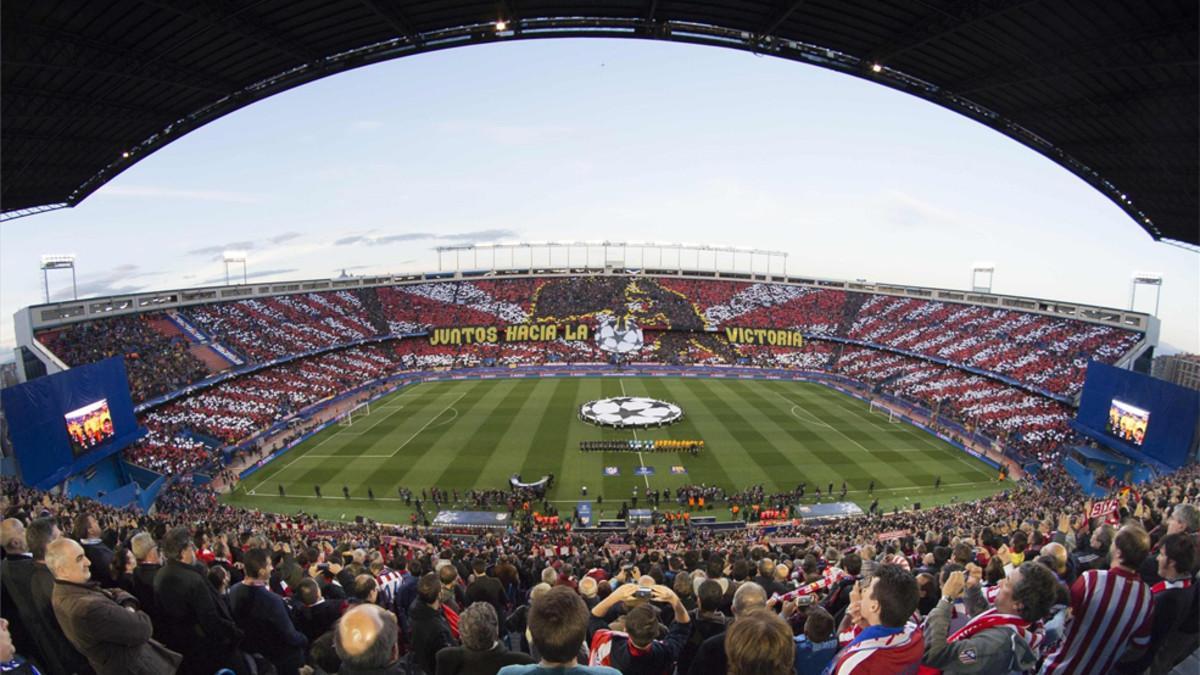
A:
878	408
354	414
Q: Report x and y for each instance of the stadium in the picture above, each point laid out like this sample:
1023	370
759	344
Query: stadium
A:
659	447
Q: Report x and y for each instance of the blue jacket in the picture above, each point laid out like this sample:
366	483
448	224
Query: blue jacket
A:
812	657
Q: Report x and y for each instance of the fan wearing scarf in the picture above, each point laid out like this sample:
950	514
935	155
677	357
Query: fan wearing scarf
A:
1002	639
888	644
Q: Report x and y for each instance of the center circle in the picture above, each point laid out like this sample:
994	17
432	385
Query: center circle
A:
630	412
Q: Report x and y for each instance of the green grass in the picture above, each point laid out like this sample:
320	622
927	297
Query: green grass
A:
476	433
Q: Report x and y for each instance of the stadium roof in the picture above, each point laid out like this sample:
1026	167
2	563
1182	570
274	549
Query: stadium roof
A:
1106	88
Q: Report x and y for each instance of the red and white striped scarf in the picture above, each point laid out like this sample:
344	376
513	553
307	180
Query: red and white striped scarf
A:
829	578
1166	585
986	621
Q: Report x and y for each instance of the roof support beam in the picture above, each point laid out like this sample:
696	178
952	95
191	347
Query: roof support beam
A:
82	68
943	24
1128	97
84	53
235	20
1098	54
89	101
1126	141
390	13
776	20
1036	75
9	134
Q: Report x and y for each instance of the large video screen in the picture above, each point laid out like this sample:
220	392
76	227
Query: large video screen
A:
1127	422
62	423
1118	406
89	426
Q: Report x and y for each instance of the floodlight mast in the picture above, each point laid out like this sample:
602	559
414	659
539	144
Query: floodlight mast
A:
981	269
1145	279
234	257
58	262
617	256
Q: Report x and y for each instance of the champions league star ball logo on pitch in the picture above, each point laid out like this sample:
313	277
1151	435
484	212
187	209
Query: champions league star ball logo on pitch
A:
630	411
619	336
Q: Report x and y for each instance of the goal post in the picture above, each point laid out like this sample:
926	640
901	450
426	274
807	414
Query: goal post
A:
878	408
354	414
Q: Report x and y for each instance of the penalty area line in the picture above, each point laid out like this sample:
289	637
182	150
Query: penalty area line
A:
335	434
431	421
827	425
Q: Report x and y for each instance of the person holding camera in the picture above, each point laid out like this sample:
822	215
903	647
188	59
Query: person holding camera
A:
638	650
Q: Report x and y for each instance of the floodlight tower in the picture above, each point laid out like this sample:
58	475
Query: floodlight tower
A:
59	262
234	257
1145	279
982	269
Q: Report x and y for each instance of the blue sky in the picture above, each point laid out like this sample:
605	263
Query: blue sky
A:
601	139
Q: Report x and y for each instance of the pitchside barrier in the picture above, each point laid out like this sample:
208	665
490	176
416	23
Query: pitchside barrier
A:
401	380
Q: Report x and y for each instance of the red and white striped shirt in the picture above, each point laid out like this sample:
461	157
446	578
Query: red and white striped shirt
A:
1109	610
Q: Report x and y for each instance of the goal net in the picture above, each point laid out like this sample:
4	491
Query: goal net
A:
880	409
354	414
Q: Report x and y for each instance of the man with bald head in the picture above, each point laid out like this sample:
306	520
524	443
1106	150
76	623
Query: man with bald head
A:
365	641
105	626
1058	552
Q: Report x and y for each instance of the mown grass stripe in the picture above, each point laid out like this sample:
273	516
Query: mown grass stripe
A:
747	424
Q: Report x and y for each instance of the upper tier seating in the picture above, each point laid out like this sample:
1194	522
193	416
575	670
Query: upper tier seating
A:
155	362
1045	352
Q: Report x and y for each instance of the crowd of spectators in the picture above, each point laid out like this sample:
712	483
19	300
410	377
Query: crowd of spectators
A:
1019	582
814	311
230	412
263	329
1026	422
1050	353
157	363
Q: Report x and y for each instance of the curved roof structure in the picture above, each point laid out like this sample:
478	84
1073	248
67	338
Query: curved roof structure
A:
1106	88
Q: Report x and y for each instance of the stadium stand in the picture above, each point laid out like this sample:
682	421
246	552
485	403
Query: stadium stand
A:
287	325
1027	422
991	370
1001	580
230	412
1036	350
157	363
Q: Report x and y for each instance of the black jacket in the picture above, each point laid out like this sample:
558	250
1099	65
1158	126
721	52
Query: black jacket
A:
143	590
263	617
702	629
315	620
101	557
16	601
195	620
490	590
463	661
710	659
430	633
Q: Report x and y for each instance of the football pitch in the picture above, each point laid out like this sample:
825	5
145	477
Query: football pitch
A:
476	433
